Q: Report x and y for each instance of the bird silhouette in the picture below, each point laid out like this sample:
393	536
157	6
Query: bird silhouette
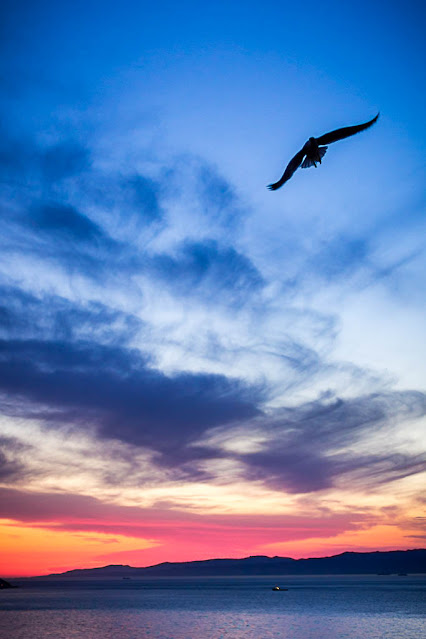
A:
314	150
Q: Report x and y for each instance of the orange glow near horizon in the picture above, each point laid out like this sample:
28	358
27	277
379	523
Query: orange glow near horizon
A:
27	550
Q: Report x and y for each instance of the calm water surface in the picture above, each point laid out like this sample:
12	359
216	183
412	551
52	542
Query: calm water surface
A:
323	607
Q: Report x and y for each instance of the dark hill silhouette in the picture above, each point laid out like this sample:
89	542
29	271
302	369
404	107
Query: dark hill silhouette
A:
5	584
398	561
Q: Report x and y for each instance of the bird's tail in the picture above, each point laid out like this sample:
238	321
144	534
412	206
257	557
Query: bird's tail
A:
307	162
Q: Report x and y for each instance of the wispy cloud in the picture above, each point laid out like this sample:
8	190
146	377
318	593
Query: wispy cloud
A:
310	447
77	363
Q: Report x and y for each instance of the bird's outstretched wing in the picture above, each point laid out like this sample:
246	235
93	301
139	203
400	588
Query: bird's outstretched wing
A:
345	132
292	166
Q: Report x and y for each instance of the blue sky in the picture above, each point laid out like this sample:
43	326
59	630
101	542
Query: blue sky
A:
160	305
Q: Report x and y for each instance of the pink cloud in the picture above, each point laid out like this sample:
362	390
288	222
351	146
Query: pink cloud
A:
181	535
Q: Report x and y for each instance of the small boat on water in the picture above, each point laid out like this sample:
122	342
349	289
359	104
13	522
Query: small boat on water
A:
279	588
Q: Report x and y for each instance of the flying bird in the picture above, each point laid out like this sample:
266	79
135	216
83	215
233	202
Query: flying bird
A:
314	150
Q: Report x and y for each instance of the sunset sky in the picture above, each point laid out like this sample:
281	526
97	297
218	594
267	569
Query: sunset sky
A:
192	366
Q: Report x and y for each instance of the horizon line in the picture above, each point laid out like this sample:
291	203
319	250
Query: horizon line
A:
198	561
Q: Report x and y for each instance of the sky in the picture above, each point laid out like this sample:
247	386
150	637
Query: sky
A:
192	366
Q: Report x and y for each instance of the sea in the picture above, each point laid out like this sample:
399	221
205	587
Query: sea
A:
318	607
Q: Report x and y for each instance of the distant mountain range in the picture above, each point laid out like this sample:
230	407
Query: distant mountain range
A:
350	563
